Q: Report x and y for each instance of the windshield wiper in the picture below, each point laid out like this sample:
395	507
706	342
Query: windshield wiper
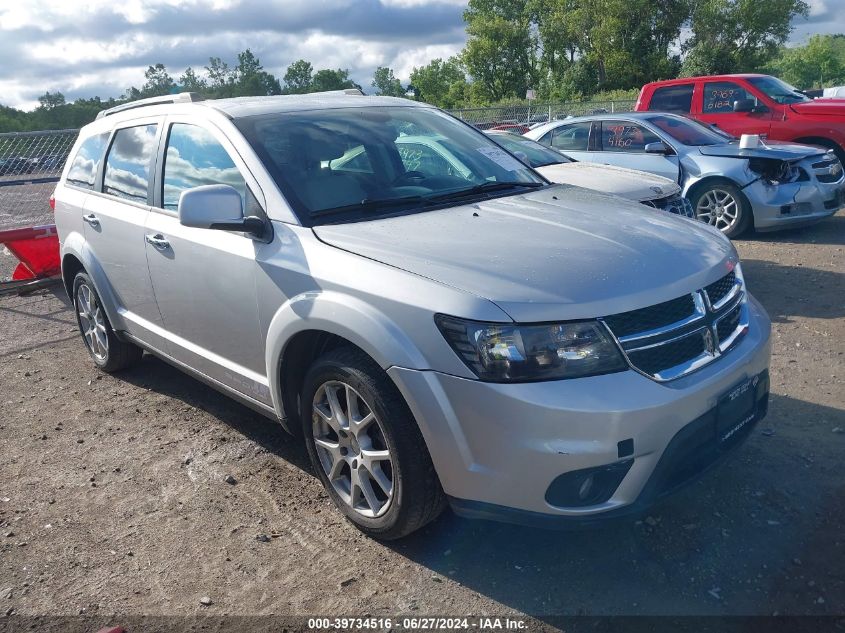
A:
485	187
370	204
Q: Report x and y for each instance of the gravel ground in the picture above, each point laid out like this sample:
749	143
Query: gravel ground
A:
113	500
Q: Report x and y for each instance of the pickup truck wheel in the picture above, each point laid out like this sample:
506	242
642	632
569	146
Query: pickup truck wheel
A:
366	447
108	352
722	205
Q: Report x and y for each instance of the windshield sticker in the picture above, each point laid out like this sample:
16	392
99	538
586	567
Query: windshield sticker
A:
501	158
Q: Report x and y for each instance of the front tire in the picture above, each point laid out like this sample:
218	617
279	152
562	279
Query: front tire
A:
723	206
108	352
366	447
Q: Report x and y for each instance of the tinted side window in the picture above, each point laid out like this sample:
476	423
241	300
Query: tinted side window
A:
127	172
622	136
83	169
195	158
719	96
575	137
672	99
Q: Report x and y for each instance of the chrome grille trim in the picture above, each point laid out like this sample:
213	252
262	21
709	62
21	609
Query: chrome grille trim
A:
703	323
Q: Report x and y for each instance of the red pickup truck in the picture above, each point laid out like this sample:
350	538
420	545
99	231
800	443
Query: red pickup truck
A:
751	104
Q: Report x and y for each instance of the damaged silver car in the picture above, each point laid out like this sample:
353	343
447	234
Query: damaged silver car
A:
769	187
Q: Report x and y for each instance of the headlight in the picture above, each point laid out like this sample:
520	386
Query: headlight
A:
501	352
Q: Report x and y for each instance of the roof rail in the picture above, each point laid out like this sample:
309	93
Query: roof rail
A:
351	92
182	97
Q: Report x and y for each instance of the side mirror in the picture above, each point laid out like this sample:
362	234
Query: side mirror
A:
217	207
656	148
744	105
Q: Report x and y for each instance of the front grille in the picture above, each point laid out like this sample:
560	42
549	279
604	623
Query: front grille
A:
673	338
729	323
829	170
718	290
655	360
673	204
651	318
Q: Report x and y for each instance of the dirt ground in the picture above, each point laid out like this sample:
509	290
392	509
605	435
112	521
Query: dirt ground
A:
113	500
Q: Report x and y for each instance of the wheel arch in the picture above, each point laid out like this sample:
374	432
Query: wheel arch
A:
310	325
77	258
698	185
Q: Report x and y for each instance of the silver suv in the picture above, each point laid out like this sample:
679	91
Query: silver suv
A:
524	351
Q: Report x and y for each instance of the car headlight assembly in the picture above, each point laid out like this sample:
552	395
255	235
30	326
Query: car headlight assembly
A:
503	352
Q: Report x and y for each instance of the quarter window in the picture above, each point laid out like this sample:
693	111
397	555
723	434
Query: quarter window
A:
623	136
83	169
195	158
127	172
719	96
672	99
573	138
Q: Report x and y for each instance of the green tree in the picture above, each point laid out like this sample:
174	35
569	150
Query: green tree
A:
501	48
298	77
386	84
441	83
328	79
819	63
159	82
191	82
737	35
250	78
50	100
221	78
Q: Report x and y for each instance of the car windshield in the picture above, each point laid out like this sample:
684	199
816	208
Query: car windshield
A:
777	90
538	155
351	164
689	132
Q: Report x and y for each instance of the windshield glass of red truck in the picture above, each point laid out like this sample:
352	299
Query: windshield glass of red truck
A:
350	164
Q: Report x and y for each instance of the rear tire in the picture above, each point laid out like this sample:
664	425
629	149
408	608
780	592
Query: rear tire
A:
723	206
366	448
107	351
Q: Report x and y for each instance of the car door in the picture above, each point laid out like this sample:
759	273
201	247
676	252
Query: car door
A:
204	280
115	214
623	142
717	108
573	139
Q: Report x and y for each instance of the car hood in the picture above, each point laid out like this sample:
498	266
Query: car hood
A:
828	107
556	254
767	149
629	183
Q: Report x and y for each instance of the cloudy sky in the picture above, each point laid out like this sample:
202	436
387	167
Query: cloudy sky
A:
100	47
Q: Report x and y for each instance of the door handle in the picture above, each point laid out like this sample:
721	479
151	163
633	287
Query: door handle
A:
157	241
91	219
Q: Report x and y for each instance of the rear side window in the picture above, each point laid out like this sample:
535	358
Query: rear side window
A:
574	138
195	158
672	99
719	96
83	169
127	172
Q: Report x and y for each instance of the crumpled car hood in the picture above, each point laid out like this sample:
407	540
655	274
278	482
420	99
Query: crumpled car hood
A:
629	183
767	149
560	253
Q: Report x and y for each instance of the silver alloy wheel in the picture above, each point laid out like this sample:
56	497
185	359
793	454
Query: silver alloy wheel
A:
352	448
92	322
718	208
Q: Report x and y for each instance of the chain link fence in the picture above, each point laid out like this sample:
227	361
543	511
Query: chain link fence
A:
30	166
520	118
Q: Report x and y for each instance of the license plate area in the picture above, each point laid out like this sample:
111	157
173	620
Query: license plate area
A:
737	408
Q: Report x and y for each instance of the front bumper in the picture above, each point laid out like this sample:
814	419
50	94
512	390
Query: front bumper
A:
497	448
794	204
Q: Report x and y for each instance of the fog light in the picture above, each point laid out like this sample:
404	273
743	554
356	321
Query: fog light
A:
586	488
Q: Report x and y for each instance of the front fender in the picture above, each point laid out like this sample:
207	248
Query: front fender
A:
342	315
75	245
